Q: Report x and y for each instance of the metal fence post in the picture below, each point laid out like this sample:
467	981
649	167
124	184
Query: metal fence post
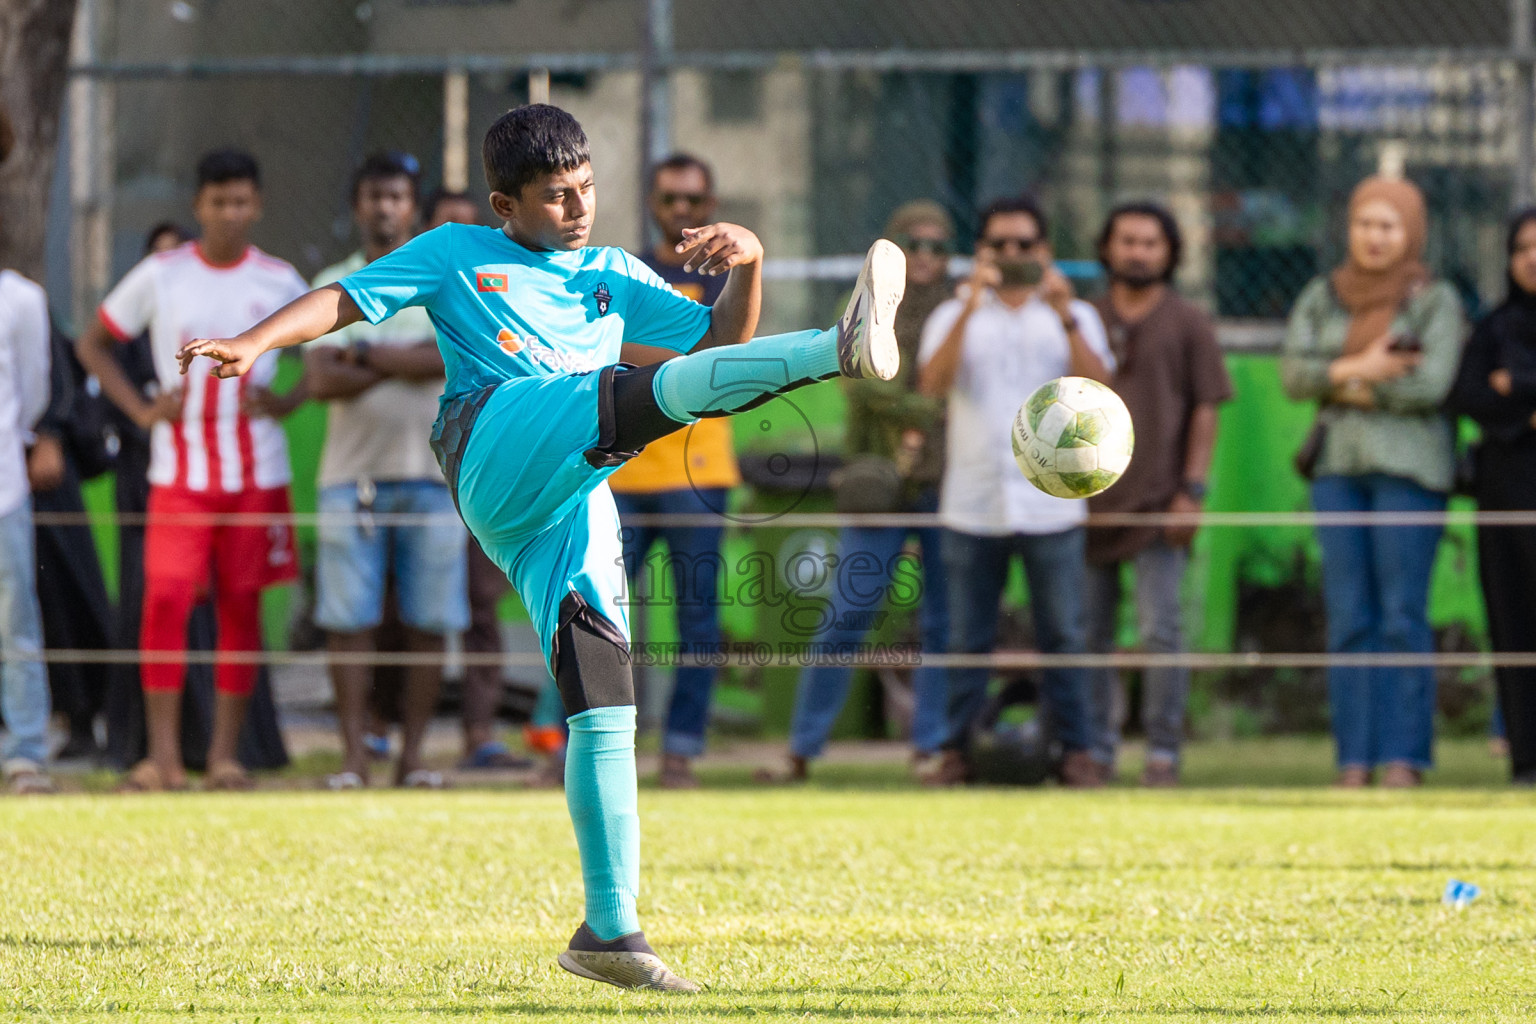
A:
92	160
1521	48
456	131
655	143
538	85
655	101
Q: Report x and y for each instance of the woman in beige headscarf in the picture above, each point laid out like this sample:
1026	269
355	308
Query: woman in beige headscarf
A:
1376	344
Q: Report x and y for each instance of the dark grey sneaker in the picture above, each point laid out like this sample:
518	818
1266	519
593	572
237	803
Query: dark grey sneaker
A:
628	962
866	334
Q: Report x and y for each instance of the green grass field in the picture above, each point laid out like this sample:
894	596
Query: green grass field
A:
860	899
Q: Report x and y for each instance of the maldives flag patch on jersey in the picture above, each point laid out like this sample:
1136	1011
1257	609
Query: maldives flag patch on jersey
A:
486	281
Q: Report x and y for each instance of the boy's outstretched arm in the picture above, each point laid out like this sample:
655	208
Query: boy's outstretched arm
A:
304	319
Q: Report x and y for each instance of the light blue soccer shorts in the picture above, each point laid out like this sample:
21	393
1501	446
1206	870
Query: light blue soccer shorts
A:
540	510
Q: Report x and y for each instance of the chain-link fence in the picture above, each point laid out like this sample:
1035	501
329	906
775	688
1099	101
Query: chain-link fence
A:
1251	121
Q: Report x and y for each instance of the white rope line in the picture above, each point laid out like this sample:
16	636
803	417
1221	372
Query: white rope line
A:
753	520
805	654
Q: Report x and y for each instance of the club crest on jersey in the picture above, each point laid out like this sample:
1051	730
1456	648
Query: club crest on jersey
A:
604	298
487	281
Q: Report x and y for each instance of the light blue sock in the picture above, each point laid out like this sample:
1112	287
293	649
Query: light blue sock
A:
732	378
600	793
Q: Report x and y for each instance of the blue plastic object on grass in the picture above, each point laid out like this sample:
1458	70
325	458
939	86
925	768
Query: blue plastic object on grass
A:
1458	893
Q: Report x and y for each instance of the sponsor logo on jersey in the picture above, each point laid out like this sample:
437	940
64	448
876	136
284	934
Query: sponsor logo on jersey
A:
487	281
509	342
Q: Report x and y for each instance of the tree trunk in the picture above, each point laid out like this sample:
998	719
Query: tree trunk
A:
34	51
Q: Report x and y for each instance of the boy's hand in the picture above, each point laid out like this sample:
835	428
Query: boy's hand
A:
165	406
45	463
716	248
235	355
264	402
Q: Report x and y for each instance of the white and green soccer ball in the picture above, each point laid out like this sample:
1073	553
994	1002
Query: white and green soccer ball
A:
1073	437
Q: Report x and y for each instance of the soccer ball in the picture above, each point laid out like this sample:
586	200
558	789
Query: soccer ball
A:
1073	437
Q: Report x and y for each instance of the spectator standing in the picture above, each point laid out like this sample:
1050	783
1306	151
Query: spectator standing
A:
687	472
382	383
1496	386
216	452
445	206
1016	326
71	447
1376	344
24	394
1170	373
261	740
124	709
896	447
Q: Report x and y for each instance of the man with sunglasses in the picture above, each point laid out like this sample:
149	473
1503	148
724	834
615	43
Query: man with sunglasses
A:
1016	325
688	472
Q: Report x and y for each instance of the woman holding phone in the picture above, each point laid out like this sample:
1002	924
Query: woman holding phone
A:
1376	343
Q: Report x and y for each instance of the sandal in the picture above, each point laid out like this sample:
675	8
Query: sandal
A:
344	780
423	778
28	778
145	777
796	772
228	778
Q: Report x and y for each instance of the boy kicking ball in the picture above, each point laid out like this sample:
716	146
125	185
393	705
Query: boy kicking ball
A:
538	412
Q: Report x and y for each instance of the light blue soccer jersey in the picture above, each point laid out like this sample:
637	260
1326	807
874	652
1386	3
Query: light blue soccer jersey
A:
504	311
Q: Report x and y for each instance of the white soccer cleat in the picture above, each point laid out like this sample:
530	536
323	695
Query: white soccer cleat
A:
866	334
628	962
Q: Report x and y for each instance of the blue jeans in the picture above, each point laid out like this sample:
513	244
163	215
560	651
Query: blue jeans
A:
868	559
1376	589
1160	629
428	560
695	562
23	679
1056	572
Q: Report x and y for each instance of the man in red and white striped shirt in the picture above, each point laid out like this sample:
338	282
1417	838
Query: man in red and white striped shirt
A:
218	469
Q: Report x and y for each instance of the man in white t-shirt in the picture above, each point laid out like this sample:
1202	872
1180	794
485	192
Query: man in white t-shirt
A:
1015	326
24	393
218	460
382	383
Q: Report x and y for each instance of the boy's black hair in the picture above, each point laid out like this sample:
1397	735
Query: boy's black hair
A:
382	166
1146	208
682	162
1012	204
438	196
227	165
529	142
